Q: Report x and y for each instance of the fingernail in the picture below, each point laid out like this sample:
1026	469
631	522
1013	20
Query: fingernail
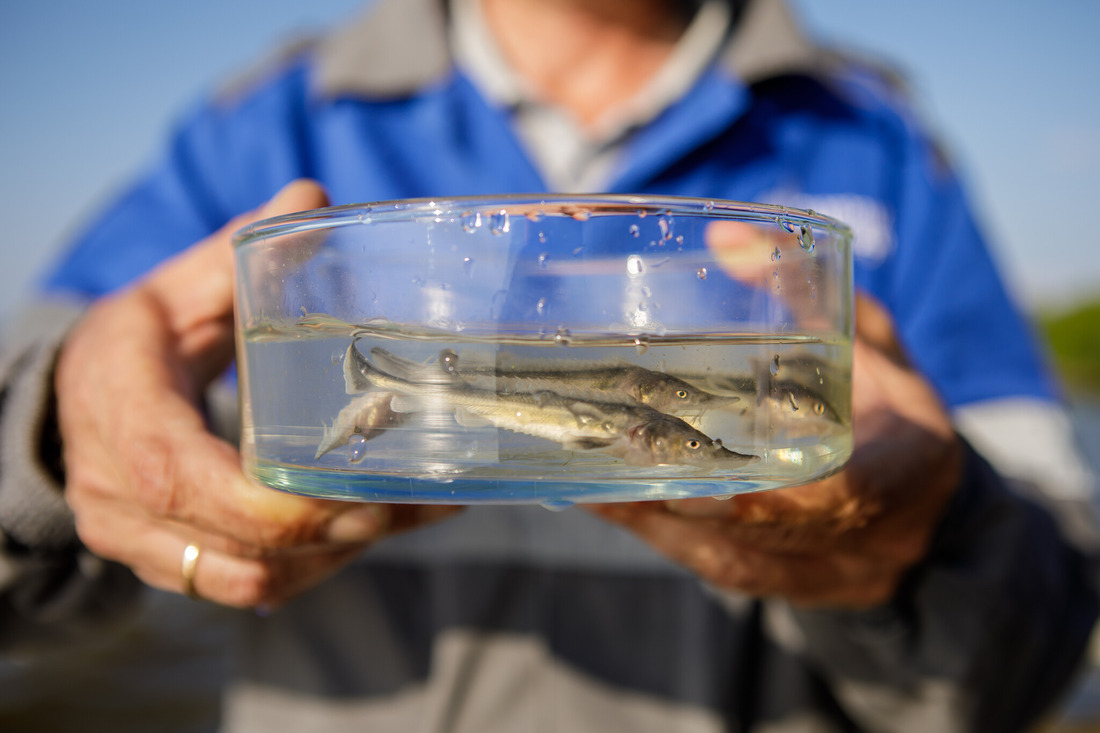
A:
365	522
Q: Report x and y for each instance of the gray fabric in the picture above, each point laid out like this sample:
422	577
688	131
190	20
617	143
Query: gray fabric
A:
32	509
52	591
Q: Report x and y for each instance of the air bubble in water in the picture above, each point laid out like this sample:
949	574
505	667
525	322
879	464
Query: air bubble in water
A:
635	230
581	215
543	257
540	307
776	254
498	223
701	273
556	505
641	344
563	337
471	220
337	357
634	265
468	265
774	366
357	448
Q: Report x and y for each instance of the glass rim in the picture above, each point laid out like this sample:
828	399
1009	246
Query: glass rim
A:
532	205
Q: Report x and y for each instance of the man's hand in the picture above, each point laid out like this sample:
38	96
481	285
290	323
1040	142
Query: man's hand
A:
847	540
144	476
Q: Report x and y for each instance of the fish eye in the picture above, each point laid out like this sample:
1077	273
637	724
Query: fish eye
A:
819	408
682	394
694	444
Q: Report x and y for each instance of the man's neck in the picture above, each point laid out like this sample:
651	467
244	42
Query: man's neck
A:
587	56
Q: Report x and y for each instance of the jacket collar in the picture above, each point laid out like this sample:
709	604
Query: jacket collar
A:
400	46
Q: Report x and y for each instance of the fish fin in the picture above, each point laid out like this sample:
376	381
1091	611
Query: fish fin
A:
401	403
355	378
587	443
468	419
329	440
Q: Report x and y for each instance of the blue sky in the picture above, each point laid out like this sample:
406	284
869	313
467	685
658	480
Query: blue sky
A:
89	90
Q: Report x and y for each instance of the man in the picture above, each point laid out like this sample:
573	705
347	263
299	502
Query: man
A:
914	591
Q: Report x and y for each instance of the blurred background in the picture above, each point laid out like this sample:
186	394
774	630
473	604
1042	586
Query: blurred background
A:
89	90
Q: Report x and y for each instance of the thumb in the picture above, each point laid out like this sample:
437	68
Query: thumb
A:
194	290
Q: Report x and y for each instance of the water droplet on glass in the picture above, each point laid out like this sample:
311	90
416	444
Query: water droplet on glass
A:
543	257
471	450
357	448
776	254
471	220
634	266
701	273
774	366
788	226
540	307
337	357
708	206
498	223
641	344
556	505
468	265
563	337
635	230
806	238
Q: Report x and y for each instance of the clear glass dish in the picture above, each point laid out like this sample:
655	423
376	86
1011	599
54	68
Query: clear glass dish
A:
552	350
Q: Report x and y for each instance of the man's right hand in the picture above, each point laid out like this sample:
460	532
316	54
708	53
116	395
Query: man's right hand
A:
144	476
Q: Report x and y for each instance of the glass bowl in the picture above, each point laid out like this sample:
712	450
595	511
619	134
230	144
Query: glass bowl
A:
551	350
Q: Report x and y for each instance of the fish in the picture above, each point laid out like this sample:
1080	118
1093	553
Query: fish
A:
785	397
627	383
368	415
638	434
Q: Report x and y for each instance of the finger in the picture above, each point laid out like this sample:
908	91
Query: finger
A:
194	290
771	259
827	577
